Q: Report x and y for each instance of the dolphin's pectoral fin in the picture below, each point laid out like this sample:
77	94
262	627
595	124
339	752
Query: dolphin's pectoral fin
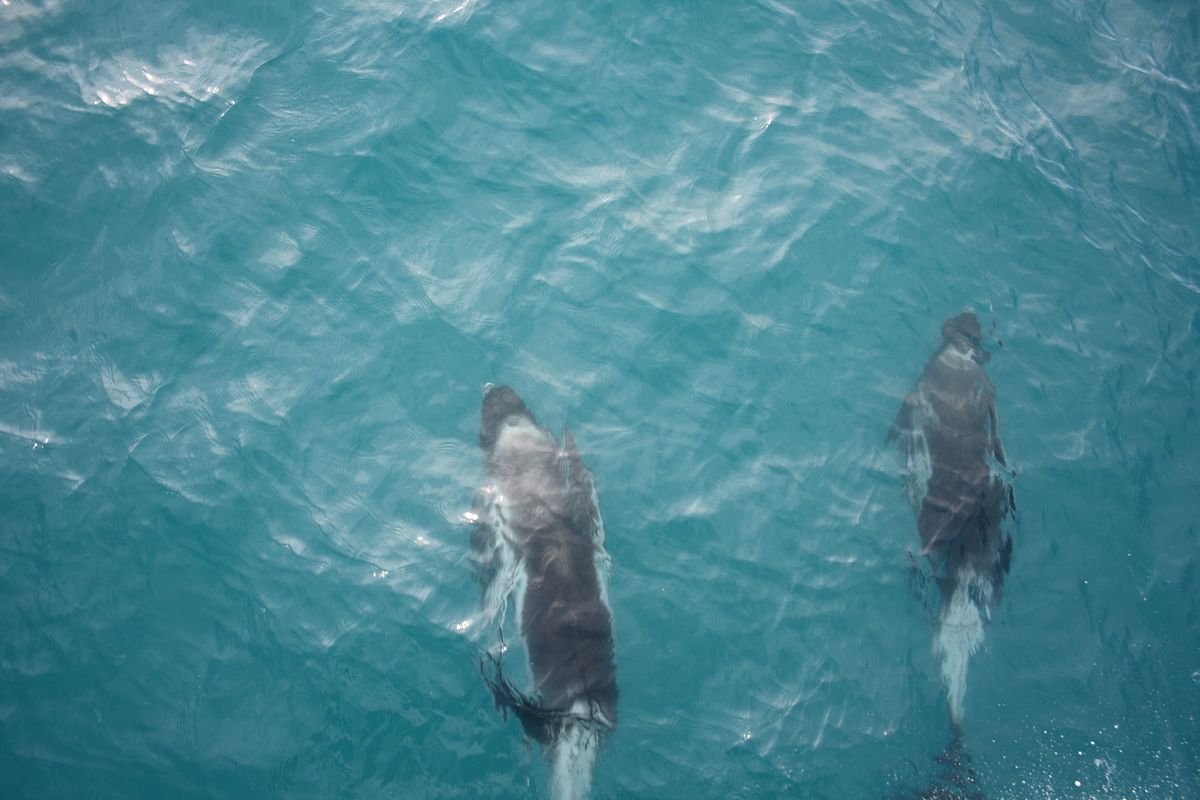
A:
919	580
604	561
495	560
903	424
1000	568
485	543
946	584
582	508
994	436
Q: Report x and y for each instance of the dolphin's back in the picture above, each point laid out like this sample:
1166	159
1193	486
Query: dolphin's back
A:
540	536
567	626
949	423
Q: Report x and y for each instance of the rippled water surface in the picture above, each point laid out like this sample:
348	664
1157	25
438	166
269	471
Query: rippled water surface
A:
258	259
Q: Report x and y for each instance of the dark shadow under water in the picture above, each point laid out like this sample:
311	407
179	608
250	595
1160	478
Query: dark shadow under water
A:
955	778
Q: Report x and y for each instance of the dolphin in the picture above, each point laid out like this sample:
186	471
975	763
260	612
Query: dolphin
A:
958	481
538	538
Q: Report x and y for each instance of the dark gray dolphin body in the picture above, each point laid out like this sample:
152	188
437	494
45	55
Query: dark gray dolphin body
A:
538	536
957	480
948	431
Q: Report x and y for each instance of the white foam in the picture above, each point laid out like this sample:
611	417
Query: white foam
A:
573	758
509	577
198	69
128	393
959	635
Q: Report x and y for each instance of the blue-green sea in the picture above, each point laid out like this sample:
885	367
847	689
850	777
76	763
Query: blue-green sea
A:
258	259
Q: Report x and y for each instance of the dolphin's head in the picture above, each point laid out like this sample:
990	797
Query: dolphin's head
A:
963	331
964	324
506	423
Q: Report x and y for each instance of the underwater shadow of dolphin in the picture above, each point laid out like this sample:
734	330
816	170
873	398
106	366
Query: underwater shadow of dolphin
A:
956	780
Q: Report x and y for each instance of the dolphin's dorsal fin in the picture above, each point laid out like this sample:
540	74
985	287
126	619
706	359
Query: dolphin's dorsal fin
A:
903	424
583	513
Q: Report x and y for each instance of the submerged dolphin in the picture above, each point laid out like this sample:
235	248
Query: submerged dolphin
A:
538	537
948	433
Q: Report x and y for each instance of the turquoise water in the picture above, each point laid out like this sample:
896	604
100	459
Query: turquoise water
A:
257	261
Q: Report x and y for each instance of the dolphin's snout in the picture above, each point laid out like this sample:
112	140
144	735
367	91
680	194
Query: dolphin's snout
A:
487	388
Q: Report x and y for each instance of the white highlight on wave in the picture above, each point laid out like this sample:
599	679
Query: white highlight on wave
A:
432	12
509	580
201	67
960	633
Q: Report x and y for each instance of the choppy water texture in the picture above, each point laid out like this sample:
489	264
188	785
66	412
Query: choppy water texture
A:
257	260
